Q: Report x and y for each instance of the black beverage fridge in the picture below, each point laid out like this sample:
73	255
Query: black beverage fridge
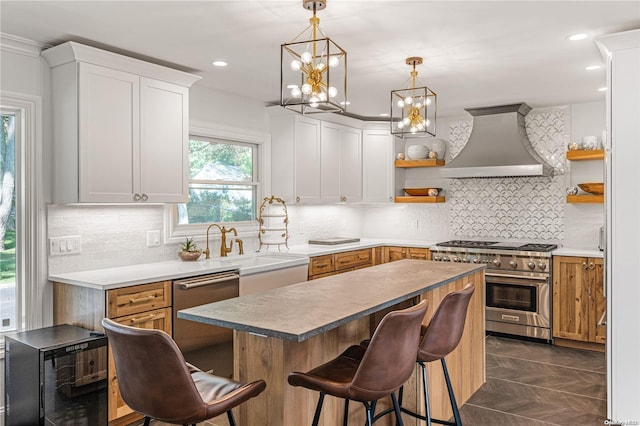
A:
55	376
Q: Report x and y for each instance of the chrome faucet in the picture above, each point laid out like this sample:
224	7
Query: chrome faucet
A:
223	242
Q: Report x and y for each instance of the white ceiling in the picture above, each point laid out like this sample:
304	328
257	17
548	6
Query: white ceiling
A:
476	53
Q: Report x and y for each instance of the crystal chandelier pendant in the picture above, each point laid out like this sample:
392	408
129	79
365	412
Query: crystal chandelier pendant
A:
313	69
413	110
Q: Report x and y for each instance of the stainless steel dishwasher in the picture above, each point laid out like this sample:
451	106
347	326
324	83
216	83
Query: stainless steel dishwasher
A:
208	347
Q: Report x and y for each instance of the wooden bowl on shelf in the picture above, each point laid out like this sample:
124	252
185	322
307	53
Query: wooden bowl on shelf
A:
595	188
424	192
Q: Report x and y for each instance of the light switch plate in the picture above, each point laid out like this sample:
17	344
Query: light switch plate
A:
60	246
153	238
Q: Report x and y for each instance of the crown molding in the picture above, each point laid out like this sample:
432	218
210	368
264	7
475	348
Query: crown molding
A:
20	45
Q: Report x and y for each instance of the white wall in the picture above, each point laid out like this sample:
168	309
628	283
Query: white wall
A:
22	76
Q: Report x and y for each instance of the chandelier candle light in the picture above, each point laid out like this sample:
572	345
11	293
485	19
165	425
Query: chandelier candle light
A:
313	76
413	110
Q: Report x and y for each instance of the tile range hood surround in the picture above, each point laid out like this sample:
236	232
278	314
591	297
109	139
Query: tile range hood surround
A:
498	146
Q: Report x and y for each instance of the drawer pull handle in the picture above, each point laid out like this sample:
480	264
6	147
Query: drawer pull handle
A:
322	265
142	299
142	319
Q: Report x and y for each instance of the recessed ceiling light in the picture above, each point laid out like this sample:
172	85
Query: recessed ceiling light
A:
576	37
602	89
592	67
219	63
384	114
345	103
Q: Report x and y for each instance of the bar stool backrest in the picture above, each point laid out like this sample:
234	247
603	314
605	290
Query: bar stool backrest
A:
152	374
391	354
444	331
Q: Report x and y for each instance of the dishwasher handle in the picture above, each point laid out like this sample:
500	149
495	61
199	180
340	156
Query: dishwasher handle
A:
188	284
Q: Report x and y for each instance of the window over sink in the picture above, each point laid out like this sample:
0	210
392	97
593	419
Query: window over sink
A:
222	182
225	183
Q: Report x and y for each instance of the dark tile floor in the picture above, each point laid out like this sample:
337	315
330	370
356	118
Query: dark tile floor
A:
531	384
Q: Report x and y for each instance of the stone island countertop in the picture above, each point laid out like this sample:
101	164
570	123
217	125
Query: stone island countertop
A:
300	311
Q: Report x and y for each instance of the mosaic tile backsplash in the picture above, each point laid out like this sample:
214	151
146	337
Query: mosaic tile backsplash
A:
515	208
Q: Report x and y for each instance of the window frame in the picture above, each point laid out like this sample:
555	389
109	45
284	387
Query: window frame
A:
174	232
30	272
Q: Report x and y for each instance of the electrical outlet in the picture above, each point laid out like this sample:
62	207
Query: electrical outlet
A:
153	238
59	246
301	228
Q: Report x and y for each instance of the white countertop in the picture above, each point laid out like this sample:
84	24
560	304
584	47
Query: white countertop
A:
124	276
570	251
320	249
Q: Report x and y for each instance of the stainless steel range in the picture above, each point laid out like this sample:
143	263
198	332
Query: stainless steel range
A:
518	283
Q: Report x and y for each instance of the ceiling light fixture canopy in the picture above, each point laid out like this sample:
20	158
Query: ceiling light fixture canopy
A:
413	110
313	69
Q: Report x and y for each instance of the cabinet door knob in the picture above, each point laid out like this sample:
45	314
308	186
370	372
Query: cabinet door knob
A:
144	197
584	265
297	199
592	266
136	197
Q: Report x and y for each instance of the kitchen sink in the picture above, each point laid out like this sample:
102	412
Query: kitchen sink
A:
256	263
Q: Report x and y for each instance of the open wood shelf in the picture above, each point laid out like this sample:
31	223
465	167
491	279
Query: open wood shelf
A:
430	162
585	154
585	199
419	199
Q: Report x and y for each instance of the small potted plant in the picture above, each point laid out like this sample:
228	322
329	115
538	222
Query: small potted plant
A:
189	251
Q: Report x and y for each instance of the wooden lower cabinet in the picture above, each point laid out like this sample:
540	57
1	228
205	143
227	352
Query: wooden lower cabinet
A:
143	306
337	263
331	264
393	253
578	300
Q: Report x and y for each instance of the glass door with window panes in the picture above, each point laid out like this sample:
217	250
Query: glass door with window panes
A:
9	133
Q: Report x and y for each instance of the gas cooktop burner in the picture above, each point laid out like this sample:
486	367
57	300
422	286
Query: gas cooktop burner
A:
466	244
499	245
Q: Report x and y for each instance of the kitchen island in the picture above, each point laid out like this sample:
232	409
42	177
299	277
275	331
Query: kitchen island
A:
297	327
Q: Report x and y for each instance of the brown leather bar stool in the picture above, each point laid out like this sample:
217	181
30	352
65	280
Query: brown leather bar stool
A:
155	380
439	339
366	374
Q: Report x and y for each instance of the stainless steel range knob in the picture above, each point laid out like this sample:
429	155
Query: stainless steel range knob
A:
542	266
476	260
465	259
456	259
446	259
513	263
436	257
496	262
531	264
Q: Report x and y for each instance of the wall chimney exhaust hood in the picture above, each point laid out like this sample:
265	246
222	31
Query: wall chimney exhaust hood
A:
498	146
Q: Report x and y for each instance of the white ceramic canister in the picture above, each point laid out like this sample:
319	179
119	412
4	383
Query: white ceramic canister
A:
440	148
417	152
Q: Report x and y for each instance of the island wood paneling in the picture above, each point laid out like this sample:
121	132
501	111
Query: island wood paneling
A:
272	359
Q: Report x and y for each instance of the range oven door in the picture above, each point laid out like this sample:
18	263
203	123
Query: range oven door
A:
518	305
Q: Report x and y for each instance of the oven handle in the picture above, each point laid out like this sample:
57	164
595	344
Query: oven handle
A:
497	278
202	281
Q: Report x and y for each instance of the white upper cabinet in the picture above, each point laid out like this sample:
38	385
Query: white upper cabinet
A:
307	160
341	163
314	161
120	127
377	166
